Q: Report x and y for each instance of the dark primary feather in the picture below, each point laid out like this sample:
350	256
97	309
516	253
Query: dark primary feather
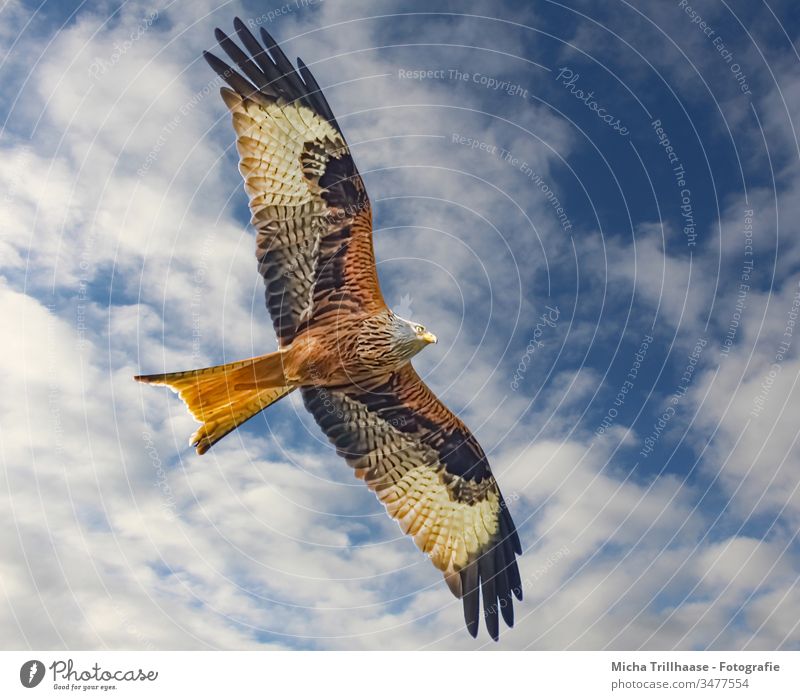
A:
268	70
315	93
284	65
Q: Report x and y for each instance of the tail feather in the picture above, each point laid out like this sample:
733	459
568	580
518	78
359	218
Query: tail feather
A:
221	398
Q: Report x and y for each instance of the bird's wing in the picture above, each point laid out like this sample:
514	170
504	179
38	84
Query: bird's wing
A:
433	477
307	200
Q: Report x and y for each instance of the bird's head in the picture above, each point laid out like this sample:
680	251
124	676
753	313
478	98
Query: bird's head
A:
423	336
411	336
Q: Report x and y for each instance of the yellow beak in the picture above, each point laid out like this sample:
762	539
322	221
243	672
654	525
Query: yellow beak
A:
429	337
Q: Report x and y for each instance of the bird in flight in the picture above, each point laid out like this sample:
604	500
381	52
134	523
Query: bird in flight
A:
339	344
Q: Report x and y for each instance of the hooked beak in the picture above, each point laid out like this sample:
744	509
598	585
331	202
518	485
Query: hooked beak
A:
429	337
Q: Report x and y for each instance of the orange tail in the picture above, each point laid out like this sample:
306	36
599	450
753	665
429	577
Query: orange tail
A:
225	396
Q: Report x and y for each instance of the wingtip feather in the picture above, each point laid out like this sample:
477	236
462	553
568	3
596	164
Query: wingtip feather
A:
471	600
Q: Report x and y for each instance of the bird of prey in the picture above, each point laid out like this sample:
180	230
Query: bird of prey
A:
339	344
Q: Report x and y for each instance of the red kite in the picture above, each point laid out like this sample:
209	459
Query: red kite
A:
339	344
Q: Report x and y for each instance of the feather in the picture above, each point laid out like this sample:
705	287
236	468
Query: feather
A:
284	66
489	594
315	93
471	598
239	57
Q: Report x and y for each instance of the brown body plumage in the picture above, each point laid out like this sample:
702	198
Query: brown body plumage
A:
339	343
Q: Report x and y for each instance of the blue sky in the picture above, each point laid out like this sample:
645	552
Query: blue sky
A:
592	204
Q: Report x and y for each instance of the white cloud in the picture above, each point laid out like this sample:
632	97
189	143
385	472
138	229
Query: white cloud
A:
122	537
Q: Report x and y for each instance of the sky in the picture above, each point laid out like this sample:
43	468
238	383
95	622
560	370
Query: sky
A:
594	205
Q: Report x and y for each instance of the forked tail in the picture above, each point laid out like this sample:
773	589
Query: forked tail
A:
225	396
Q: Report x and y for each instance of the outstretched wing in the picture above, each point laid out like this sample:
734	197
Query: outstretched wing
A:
307	200
433	477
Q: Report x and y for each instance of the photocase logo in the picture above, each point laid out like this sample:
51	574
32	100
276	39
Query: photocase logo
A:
403	309
31	673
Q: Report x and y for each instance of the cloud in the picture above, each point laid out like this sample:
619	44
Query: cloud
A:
125	247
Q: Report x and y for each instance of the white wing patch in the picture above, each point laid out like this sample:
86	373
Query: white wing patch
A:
272	139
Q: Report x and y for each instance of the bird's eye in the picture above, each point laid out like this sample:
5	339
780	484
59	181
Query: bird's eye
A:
420	329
